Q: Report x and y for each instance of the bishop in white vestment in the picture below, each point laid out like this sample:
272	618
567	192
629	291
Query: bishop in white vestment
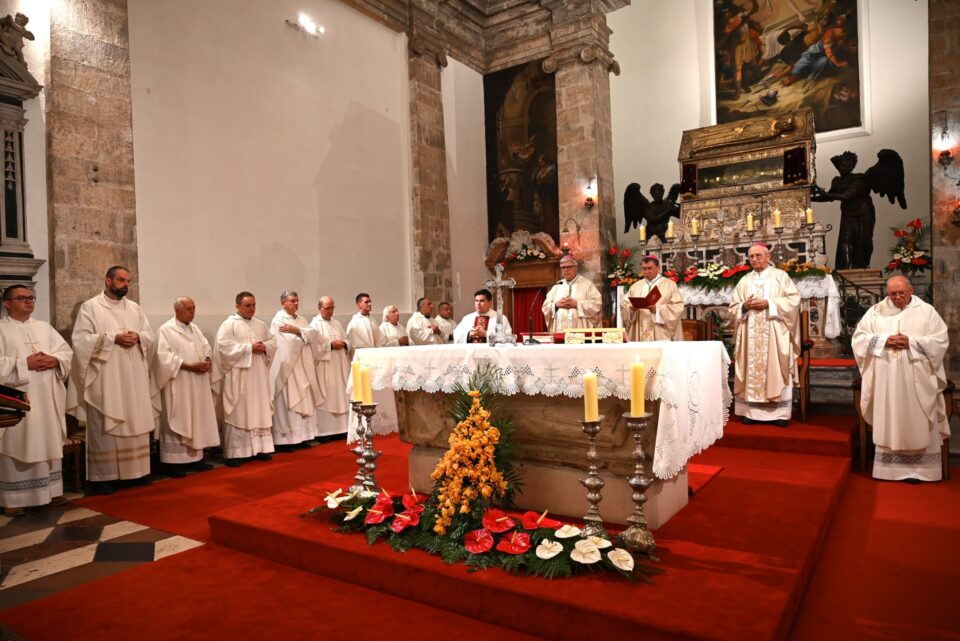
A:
766	309
181	368
244	351
35	359
573	301
422	329
476	326
110	383
900	344
663	323
332	358
362	333
293	374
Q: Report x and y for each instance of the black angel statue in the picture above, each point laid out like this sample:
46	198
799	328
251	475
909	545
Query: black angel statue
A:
656	212
857	214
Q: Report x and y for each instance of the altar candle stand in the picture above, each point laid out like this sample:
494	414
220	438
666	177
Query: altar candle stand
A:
367	457
637	536
669	240
592	523
357	450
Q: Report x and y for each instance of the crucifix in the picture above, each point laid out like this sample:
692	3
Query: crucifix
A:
498	283
29	340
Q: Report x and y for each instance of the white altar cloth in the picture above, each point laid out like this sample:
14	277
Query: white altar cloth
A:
689	379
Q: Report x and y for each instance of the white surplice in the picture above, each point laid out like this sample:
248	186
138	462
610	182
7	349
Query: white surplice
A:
243	381
585	314
391	334
902	390
293	374
188	419
333	369
30	451
420	330
462	332
110	388
362	332
446	325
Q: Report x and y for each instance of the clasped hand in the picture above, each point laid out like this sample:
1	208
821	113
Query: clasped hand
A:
756	303
40	362
201	367
290	329
898	341
567	303
259	348
126	339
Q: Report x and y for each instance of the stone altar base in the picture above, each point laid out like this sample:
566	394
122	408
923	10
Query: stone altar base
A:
550	452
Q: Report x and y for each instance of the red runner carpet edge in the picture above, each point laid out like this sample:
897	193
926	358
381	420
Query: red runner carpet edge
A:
699	475
823	435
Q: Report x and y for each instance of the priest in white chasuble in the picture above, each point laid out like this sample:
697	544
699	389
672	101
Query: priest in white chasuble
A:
361	330
900	345
573	301
421	328
475	327
36	360
766	313
392	332
110	384
181	365
293	375
445	321
663	322
331	354
244	351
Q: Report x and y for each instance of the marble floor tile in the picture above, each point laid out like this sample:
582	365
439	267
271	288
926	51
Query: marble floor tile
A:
49	565
173	545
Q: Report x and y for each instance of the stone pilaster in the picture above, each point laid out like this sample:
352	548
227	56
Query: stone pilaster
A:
90	186
430	205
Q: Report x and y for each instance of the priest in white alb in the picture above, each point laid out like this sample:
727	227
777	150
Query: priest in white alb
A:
293	374
445	321
332	358
476	326
244	351
363	332
110	384
422	329
900	344
181	366
663	322
766	312
392	333
573	301
36	360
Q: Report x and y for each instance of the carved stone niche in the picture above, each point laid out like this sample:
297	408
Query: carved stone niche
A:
17	85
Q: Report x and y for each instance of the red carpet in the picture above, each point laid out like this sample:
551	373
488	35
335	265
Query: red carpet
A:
823	435
699	475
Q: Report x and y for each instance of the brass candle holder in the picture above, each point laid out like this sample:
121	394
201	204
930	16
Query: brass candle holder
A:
637	536
592	522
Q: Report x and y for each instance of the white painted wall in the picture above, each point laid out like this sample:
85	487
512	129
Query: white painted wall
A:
664	48
462	90
266	159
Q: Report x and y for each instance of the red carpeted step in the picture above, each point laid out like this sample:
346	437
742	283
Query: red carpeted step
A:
822	435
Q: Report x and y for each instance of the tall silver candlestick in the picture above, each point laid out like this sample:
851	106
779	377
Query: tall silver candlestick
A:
592	523
361	474
369	454
637	536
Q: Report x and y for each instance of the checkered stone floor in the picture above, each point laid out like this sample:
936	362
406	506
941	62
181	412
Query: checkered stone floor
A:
57	548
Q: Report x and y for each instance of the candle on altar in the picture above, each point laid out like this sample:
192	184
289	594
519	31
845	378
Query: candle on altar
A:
638	373
591	409
643	233
670	229
356	393
777	219
749	222
694	227
366	379
809	216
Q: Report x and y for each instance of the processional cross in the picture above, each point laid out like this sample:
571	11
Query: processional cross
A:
498	283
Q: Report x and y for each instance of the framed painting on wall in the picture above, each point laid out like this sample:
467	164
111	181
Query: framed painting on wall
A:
778	56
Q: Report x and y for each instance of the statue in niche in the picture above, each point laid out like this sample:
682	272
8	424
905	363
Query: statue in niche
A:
657	212
857	214
13	31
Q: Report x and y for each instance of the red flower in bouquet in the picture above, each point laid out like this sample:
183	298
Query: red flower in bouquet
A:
743	267
381	510
727	273
614	283
915	224
626	252
672	275
893	264
534	521
497	521
414	501
406	519
900	233
516	543
614	251
919	261
478	541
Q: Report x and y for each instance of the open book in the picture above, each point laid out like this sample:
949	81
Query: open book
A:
646	302
13	405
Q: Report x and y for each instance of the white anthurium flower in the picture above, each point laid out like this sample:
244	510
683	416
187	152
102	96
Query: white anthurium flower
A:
600	542
353	513
333	502
585	552
621	559
333	495
367	494
549	549
567	532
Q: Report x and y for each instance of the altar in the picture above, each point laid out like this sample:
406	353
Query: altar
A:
541	394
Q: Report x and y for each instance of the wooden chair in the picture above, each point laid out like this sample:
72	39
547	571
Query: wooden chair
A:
694	330
803	364
74	456
863	427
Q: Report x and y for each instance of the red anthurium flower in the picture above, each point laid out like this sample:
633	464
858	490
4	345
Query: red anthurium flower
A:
405	520
497	521
614	282
727	273
899	233
478	541
534	521
920	261
516	543
625	252
414	499
614	250
893	264
380	511
688	278
916	224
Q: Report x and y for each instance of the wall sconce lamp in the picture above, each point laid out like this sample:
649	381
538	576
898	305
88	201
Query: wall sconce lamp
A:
590	194
307	25
577	223
945	159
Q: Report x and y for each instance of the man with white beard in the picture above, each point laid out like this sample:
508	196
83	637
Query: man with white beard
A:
36	360
242	358
181	371
293	373
332	358
110	384
421	329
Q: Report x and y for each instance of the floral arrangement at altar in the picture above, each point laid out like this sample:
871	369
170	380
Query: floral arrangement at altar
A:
527	252
909	254
798	271
713	276
620	269
464	519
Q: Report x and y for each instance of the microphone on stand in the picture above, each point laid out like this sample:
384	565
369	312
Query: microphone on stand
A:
530	340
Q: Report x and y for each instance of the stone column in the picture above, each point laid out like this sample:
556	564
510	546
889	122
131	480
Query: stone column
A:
90	186
430	205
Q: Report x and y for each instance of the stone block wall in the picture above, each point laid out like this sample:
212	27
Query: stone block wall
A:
90	179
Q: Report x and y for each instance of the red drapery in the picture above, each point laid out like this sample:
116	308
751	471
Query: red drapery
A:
523	299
